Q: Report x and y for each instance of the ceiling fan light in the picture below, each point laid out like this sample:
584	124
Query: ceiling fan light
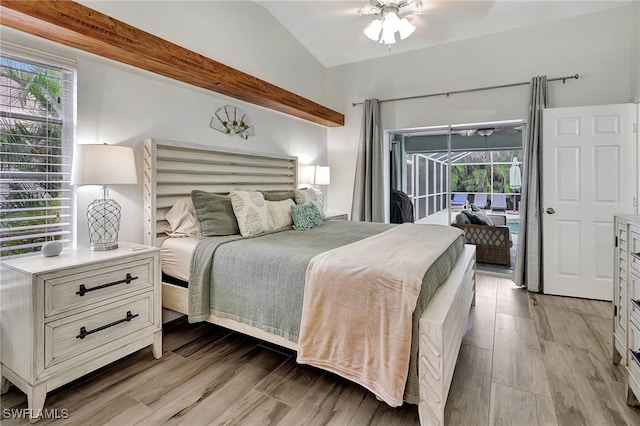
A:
389	19
391	22
485	132
372	31
405	28
388	36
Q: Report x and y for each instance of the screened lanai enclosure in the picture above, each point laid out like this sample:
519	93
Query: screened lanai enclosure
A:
482	179
447	169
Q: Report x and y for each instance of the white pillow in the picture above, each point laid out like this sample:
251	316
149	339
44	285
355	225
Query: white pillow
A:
251	211
280	212
182	220
308	196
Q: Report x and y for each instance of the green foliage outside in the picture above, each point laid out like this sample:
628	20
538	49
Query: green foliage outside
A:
470	178
33	146
477	177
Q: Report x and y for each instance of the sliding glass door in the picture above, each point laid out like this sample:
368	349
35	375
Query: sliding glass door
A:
465	167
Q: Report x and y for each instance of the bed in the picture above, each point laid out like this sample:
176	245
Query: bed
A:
173	169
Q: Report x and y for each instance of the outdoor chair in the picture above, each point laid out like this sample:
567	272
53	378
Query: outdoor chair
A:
499	203
459	200
493	242
480	201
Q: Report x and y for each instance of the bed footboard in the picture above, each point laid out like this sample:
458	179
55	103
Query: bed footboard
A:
441	330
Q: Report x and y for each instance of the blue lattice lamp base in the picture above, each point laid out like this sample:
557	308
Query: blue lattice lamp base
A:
103	216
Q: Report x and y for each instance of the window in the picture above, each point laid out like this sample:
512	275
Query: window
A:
37	108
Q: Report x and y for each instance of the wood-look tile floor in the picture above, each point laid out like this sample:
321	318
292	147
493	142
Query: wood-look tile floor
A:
528	359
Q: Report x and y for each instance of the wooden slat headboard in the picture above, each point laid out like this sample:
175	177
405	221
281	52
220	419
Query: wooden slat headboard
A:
173	169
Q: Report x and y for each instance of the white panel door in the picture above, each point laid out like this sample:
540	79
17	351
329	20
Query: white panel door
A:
589	173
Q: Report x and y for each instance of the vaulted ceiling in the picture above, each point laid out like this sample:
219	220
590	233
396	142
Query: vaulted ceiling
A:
332	30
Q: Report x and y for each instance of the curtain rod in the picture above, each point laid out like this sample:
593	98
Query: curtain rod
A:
478	89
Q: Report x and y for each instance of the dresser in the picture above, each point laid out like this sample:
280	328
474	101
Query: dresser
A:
65	316
626	301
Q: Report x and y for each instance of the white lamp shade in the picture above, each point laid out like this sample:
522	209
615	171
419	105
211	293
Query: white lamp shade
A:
307	174
405	28
103	165
388	36
391	22
322	175
373	30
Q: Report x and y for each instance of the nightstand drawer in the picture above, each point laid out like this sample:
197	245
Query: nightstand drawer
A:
634	259
634	346
634	301
83	288
634	286
76	334
634	250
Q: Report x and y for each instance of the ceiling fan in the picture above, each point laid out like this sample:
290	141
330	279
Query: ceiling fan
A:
392	19
488	131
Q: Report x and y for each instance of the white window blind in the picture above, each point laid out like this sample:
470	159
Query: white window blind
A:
37	106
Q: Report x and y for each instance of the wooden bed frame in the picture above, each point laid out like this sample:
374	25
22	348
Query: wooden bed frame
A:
173	169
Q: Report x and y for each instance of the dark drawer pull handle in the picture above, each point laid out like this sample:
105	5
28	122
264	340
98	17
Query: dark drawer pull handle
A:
84	290
635	355
636	303
84	333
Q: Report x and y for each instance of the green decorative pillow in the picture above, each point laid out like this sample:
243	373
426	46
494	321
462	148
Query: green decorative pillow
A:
305	216
214	214
308	196
278	196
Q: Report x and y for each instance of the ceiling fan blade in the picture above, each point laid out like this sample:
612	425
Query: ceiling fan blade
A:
369	9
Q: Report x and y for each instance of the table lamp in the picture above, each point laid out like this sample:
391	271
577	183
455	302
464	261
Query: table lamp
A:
103	165
321	176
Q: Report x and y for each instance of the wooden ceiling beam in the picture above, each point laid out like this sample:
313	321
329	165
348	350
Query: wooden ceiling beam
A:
75	25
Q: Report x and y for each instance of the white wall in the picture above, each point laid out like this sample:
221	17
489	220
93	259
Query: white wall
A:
240	34
595	46
118	104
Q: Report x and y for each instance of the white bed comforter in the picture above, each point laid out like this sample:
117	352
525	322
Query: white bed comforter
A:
358	305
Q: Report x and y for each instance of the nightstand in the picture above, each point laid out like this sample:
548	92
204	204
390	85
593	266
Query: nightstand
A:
336	216
65	316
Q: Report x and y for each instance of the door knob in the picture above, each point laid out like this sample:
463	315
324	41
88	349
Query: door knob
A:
550	210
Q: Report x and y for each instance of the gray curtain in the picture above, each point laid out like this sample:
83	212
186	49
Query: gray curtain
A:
396	166
368	189
528	268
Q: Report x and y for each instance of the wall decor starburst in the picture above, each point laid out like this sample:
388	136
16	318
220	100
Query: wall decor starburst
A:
231	120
